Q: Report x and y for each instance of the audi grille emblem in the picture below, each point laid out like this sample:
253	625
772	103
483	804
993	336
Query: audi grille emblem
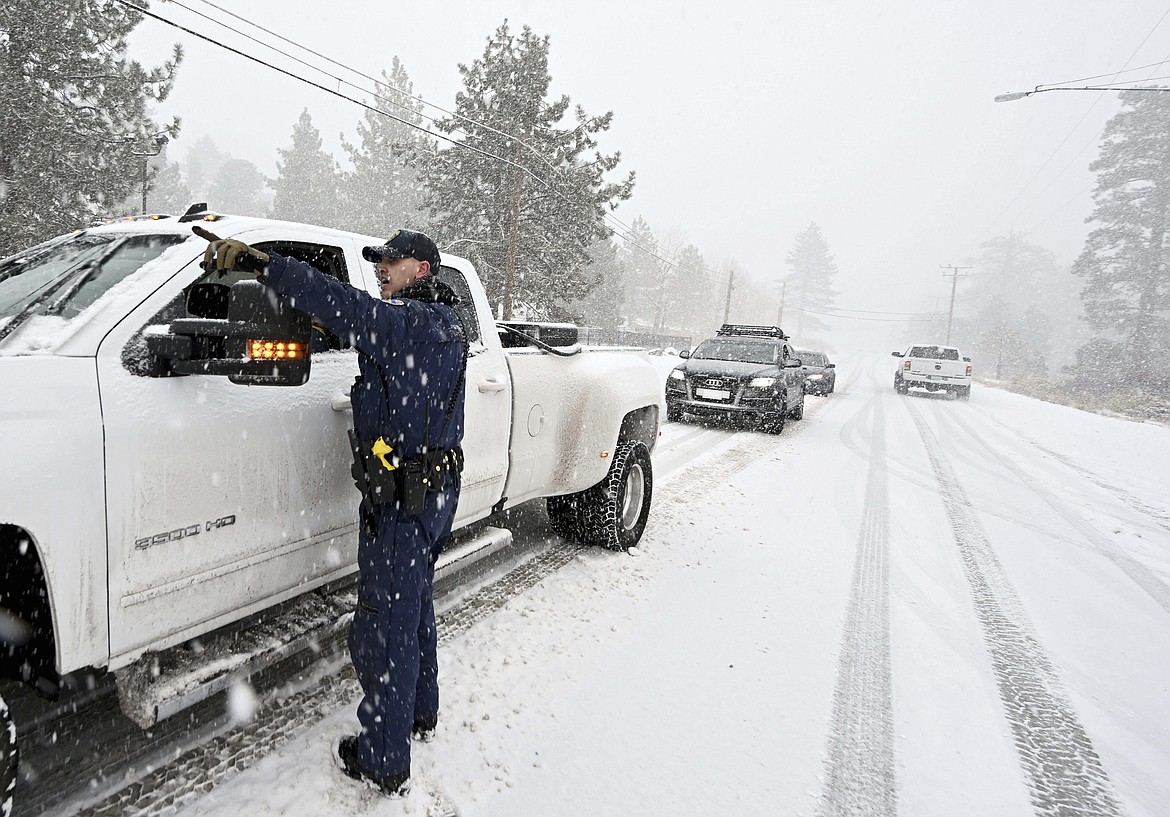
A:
715	383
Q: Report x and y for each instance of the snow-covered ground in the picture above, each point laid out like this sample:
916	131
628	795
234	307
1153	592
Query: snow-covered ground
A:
906	605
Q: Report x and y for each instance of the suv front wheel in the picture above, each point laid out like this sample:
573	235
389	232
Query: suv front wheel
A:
797	411
774	423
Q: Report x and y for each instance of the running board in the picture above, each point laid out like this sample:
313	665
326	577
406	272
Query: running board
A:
162	684
463	552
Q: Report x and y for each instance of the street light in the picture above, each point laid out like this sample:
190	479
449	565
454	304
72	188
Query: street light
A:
160	141
1039	89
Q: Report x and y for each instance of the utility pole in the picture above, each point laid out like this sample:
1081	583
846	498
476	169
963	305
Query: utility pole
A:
780	314
160	141
730	287
513	235
954	273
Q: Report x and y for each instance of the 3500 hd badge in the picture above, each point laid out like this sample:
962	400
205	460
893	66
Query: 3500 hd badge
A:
183	533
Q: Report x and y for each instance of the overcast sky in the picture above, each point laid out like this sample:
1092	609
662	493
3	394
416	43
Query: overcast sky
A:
747	119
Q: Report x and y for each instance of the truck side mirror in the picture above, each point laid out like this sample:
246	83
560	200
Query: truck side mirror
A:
262	341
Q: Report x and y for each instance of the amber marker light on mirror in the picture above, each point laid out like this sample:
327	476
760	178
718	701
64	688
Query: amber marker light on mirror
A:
275	350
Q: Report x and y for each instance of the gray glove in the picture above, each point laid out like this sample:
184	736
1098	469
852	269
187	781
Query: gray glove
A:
224	254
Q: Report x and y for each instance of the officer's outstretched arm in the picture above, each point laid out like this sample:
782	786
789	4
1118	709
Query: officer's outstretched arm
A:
370	324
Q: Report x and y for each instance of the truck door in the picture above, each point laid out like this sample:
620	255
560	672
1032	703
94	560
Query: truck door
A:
223	498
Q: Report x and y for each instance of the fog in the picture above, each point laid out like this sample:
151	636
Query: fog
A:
745	122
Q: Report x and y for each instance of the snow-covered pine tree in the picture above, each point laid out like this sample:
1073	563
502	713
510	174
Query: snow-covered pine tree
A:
307	179
810	284
75	113
382	192
528	217
1124	262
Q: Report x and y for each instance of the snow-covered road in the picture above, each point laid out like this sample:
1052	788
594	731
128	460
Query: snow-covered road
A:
906	605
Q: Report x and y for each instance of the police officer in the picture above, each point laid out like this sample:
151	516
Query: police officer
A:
408	424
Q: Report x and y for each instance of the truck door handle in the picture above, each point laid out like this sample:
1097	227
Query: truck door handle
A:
340	403
491	384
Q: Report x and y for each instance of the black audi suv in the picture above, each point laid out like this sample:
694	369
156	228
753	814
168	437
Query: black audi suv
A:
745	373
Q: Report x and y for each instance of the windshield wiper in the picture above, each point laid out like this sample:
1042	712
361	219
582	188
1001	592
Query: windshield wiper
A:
90	268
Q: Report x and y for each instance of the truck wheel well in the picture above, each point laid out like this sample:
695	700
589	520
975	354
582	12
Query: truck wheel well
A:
28	649
641	425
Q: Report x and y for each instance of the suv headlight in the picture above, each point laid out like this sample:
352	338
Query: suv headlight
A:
762	382
677	374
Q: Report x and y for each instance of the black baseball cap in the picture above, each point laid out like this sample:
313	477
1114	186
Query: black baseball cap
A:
405	244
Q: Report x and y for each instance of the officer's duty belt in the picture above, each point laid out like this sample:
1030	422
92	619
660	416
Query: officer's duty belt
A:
405	482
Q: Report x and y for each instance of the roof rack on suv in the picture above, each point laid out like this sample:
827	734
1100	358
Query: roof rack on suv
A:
755	331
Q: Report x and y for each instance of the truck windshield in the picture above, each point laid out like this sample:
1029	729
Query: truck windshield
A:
31	274
746	351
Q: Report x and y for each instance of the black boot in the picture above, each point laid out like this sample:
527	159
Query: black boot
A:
424	728
396	785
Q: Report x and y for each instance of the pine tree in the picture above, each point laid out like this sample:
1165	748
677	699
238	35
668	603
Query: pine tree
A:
810	284
202	164
238	188
307	179
167	192
1017	283
1124	262
527	213
383	193
604	302
75	115
642	273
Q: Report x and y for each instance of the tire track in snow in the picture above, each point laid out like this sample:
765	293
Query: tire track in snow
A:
1062	769
1156	516
859	766
1139	573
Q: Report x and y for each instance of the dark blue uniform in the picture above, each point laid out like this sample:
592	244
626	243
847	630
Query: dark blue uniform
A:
411	357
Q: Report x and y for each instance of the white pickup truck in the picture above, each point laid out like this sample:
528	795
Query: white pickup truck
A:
143	504
934	368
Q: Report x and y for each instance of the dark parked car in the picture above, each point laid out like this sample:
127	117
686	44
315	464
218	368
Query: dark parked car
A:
820	376
745	373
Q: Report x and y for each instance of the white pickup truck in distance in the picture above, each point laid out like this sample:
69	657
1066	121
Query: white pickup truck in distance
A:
146	501
934	368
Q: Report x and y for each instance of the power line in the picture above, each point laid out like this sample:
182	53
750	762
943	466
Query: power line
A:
305	48
387	114
857	318
1073	130
883	312
1113	74
419	99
